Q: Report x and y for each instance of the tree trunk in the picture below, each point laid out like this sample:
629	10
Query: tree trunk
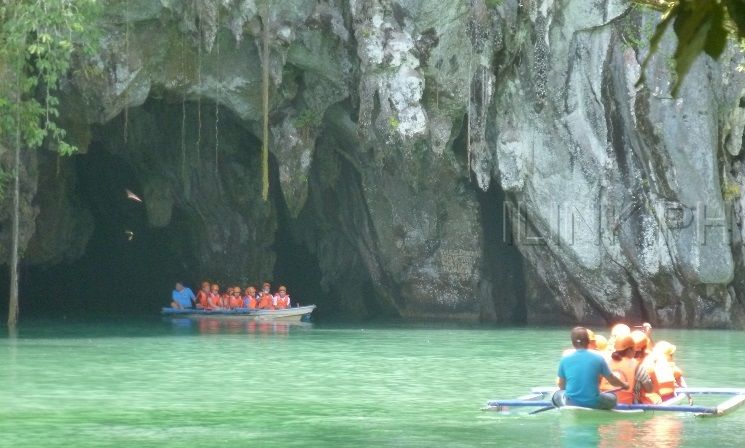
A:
15	231
265	107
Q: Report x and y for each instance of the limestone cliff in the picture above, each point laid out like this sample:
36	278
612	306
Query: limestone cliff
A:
390	122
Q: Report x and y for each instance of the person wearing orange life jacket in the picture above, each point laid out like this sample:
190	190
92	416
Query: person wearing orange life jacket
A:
642	354
249	300
601	344
235	300
266	299
665	375
646	328
629	369
281	299
225	297
215	298
203	296
266	302
616	332
265	289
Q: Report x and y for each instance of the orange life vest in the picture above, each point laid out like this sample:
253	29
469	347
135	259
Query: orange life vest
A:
265	303
249	302
663	377
215	298
625	369
236	302
225	300
281	303
203	299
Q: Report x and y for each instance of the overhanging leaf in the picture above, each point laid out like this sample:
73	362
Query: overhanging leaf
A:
699	28
654	42
736	13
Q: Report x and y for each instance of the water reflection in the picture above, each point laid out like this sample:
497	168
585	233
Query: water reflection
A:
662	431
214	326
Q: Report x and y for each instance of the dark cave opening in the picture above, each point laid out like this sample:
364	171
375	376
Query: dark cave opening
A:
503	262
128	267
296	267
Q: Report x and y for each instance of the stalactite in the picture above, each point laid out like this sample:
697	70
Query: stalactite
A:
265	107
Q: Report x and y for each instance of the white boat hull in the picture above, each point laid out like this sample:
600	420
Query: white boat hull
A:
295	314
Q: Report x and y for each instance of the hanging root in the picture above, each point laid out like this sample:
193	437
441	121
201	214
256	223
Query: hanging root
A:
217	105
126	57
265	109
183	113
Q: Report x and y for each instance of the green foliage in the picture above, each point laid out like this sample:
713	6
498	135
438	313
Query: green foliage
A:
730	190
636	37
393	122
702	26
38	39
494	3
305	122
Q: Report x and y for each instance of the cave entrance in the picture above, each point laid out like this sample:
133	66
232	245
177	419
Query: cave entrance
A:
504	289
128	267
296	267
503	262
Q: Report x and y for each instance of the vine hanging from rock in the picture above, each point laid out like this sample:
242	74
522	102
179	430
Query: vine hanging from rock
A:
265	105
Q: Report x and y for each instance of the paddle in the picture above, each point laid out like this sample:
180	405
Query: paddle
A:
548	408
538	411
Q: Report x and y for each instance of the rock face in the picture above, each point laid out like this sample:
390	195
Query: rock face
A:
390	119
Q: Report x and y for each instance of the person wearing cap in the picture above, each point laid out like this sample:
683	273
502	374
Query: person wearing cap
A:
646	328
182	297
641	344
616	332
591	346
578	376
601	344
625	366
281	299
641	354
665	375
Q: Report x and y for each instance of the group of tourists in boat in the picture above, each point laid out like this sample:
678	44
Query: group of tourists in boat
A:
626	368
210	297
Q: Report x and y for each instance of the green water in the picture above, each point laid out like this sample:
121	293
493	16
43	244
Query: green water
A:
157	384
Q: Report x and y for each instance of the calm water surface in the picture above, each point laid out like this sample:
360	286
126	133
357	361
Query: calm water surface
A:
199	385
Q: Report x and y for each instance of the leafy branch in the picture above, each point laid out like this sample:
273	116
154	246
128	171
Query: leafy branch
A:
702	26
38	39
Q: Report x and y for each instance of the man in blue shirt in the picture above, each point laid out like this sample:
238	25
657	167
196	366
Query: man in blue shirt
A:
183	298
579	376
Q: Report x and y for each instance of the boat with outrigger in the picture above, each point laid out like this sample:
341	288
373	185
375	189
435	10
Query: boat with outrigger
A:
539	400
294	314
